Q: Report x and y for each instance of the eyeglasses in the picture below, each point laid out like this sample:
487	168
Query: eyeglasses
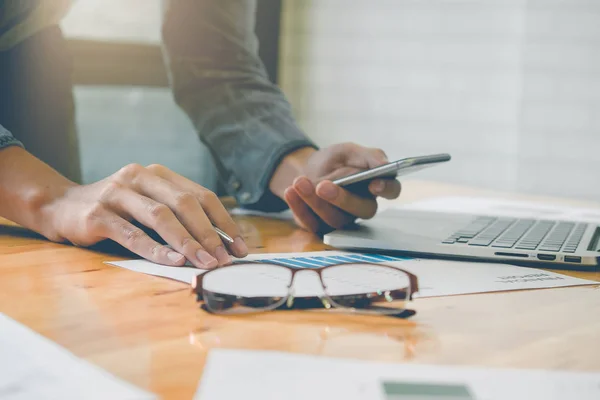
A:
250	287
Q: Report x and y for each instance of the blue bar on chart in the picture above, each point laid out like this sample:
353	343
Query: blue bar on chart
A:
291	262
323	261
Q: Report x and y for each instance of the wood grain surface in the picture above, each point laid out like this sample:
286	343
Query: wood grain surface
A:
150	332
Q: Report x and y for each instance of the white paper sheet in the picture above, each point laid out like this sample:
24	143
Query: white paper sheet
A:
436	277
233	374
501	207
33	367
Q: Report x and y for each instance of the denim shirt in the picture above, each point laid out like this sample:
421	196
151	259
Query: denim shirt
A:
218	79
6	139
20	19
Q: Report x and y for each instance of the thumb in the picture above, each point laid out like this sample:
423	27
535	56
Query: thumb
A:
340	173
366	158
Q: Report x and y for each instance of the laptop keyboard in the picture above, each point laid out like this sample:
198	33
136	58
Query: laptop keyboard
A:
522	234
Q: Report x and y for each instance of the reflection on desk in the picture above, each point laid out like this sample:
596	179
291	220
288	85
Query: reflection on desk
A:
150	331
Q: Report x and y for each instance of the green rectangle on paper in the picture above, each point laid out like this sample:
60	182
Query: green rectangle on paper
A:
426	391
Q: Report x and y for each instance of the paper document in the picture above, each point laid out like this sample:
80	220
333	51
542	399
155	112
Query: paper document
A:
33	367
500	207
436	277
274	375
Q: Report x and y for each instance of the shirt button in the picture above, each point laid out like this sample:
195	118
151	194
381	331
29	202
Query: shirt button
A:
245	196
235	185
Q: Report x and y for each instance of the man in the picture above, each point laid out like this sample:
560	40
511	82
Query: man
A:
263	158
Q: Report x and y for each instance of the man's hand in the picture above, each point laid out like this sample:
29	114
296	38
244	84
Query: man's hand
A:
179	210
303	180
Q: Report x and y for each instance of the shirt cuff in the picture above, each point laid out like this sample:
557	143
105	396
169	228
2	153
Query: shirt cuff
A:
7	139
263	199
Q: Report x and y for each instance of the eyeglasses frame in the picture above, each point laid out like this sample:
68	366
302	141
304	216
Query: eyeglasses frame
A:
327	300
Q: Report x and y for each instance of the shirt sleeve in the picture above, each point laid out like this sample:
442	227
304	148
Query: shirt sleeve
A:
7	139
218	79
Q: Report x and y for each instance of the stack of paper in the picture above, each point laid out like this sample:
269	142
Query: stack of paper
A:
232	374
32	367
507	208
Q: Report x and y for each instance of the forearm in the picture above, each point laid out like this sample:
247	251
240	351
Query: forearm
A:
219	80
27	186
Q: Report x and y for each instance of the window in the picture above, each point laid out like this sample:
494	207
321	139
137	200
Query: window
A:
125	110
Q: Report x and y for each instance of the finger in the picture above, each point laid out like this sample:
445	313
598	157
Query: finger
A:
211	204
340	172
302	214
380	155
135	240
357	206
217	213
188	210
375	157
159	217
331	215
386	188
364	157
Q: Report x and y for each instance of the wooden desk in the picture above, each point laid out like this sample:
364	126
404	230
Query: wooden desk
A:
149	330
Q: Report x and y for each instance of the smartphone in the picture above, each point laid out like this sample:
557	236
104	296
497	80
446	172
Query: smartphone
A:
358	182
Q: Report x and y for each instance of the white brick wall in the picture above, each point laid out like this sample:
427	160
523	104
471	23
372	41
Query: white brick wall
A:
510	88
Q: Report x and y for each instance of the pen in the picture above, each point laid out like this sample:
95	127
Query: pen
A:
224	236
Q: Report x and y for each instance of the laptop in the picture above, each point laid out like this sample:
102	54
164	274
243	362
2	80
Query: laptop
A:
560	244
